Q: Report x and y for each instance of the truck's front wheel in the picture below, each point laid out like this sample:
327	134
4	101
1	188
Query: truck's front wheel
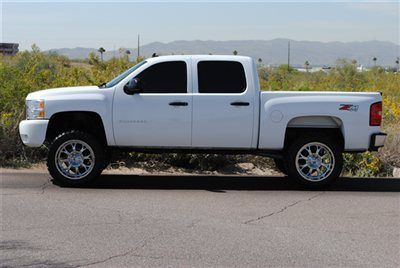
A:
75	158
315	160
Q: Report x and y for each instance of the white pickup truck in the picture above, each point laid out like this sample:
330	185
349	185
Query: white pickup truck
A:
200	104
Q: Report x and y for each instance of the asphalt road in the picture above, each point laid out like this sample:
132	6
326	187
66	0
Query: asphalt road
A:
129	221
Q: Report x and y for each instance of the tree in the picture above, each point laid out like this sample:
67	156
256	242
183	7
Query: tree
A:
235	52
93	59
127	52
346	75
259	63
354	62
397	63
35	48
101	50
307	65
375	59
285	69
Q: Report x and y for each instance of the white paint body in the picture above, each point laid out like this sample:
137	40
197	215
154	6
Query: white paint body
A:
208	121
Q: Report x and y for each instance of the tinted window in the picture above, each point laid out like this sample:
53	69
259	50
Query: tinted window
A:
164	77
221	77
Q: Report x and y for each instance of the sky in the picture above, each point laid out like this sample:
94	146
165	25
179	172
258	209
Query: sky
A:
112	25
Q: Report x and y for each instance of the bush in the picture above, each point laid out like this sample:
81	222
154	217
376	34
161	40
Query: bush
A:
34	70
31	71
365	165
345	77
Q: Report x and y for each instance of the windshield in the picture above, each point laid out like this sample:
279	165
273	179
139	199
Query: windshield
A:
120	77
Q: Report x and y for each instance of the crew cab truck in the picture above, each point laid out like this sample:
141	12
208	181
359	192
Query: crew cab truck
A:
200	104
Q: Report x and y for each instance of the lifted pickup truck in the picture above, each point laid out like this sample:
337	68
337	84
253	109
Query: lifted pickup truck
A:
200	104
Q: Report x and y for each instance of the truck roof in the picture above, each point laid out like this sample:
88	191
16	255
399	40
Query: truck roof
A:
205	57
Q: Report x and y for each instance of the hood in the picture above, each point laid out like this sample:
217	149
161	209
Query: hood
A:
54	92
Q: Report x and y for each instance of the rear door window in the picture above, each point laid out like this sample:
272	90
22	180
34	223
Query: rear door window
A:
221	77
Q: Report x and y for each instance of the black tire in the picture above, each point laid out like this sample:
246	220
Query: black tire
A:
280	165
334	149
97	162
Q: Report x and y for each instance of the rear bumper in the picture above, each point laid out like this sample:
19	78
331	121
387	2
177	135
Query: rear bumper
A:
377	141
33	132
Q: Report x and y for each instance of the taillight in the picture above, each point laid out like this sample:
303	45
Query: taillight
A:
375	114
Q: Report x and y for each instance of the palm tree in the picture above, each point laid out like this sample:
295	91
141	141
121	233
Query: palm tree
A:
235	52
375	59
101	50
397	63
260	63
127	52
354	62
307	65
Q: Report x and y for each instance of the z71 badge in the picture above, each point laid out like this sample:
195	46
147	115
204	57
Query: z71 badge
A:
348	107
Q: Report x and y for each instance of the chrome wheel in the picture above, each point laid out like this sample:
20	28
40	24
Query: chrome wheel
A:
74	159
315	161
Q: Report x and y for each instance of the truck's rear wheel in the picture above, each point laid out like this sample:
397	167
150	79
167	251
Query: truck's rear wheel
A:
75	158
315	160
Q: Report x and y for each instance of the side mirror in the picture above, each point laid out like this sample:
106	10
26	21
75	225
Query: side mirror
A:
132	87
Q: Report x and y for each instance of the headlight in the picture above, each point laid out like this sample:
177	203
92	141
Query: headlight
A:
35	109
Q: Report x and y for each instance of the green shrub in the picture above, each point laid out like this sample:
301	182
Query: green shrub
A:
365	165
34	70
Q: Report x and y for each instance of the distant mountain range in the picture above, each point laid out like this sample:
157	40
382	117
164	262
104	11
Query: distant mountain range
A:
272	52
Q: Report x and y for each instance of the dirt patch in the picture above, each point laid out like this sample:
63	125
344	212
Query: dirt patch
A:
244	168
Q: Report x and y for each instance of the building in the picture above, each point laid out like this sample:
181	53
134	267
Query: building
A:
314	69
9	48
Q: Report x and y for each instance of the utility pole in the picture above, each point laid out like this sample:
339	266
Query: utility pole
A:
288	56
138	47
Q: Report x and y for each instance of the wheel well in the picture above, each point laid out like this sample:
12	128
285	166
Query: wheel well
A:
292	133
89	122
315	121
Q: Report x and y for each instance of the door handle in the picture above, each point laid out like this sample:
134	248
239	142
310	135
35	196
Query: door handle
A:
240	103
178	103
